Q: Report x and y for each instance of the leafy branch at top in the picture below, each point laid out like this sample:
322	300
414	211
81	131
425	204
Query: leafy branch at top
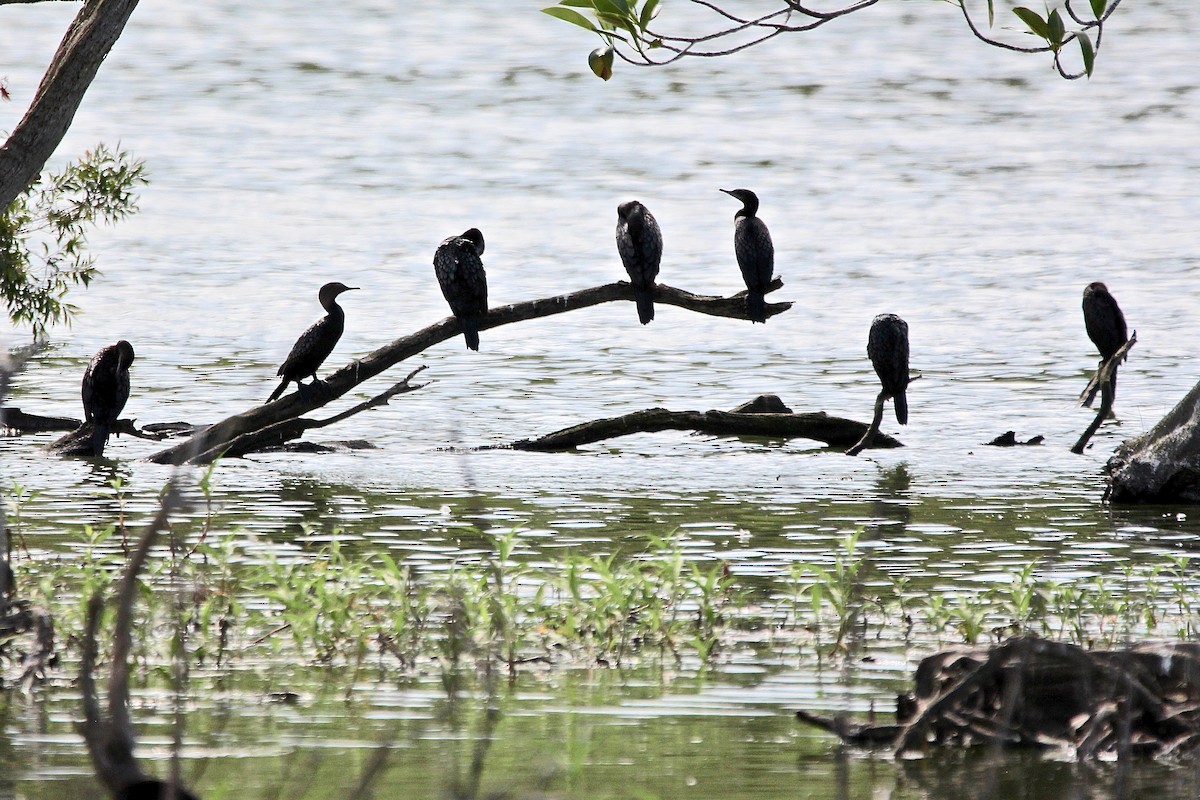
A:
43	234
625	26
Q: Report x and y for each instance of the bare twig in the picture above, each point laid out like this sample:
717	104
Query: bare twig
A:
1104	380
872	429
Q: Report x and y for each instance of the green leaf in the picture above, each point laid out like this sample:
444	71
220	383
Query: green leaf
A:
577	3
1089	52
651	8
618	7
1099	7
1055	28
1033	21
573	17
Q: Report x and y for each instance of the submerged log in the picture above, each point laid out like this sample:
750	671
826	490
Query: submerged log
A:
18	421
1031	692
1163	464
819	426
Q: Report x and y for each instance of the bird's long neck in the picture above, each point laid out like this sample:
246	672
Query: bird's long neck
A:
334	310
749	208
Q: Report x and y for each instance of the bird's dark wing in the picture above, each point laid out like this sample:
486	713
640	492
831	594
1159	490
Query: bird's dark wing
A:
639	242
460	273
312	348
887	345
1104	322
755	252
105	387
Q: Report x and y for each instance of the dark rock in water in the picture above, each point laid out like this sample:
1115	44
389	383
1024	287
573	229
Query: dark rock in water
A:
763	404
1009	439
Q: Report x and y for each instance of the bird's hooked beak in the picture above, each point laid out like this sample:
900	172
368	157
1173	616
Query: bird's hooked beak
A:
728	192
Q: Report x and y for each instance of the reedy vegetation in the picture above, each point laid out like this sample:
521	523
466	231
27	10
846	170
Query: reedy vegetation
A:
338	606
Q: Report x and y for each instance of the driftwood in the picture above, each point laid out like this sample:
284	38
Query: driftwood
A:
217	439
110	737
79	441
1102	381
818	426
18	421
1163	464
1031	692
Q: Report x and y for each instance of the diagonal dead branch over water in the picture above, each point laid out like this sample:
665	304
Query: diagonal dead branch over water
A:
215	439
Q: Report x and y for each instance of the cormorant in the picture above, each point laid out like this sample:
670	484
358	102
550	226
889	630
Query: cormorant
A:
1105	324
459	271
105	390
887	345
315	344
639	241
755	252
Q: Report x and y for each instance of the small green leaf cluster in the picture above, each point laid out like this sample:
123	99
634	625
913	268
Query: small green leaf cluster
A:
1053	30
43	234
615	20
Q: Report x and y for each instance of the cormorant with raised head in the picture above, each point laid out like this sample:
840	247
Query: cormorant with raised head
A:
639	241
459	269
887	345
315	344
755	252
105	390
1105	324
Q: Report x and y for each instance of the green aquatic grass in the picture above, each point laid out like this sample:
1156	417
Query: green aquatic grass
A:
239	603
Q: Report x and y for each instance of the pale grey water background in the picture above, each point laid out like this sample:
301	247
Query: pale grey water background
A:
902	167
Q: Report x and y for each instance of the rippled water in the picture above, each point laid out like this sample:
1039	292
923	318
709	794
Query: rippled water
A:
902	167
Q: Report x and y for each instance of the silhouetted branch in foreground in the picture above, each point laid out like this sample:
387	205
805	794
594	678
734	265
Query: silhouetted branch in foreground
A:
110	738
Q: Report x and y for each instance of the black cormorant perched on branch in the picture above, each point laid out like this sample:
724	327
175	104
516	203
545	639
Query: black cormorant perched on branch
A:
315	344
105	390
639	241
459	271
1105	324
755	252
887	345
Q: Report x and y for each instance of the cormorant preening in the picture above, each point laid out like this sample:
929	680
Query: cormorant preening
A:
315	344
105	390
1105	324
887	345
755	252
459	271
639	241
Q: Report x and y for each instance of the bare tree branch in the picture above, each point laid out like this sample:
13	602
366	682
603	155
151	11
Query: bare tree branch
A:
218	437
83	49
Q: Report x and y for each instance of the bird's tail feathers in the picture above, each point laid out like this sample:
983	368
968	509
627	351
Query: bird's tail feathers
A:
901	403
279	390
470	328
645	304
756	307
99	438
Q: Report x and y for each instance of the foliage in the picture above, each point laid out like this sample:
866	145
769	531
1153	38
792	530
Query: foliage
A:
628	23
43	234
